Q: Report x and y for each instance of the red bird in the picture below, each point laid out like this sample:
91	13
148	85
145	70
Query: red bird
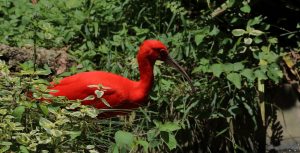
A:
120	92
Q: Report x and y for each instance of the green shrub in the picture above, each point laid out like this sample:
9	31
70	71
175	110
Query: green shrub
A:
229	52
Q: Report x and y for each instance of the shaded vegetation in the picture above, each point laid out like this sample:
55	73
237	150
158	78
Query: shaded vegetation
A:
231	52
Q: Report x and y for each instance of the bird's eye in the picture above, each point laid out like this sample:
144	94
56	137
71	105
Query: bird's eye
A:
162	54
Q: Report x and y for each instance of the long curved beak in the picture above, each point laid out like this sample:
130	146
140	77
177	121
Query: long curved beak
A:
170	61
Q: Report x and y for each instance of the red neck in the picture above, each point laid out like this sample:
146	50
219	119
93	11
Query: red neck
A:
146	72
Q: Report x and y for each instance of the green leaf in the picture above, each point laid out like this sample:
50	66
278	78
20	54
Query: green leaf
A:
169	139
73	134
228	67
246	8
23	138
230	3
235	78
44	109
172	142
216	69
73	3
248	73
260	75
90	97
99	93
46	123
62	121
268	56
257	40
214	31
76	114
114	148
222	132
152	134
274	73
18	113
199	38
124	139
74	106
3	111
273	40
254	32
249	109
248	41
92	112
254	21
169	127
23	149
105	102
96	29
238	66
4	148
144	144
5	143
89	147
56	133
238	32
234	110
203	67
204	61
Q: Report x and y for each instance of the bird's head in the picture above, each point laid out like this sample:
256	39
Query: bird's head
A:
156	50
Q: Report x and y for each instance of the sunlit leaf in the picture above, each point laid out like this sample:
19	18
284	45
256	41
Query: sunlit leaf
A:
23	149
92	112
73	3
23	138
4	148
249	74
248	41
214	31
273	40
45	123
56	133
169	126
76	114
217	69
236	79
274	73
260	75
238	32
246	8
199	38
90	147
3	111
255	32
5	143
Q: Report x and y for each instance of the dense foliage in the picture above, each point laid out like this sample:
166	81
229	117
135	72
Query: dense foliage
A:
230	52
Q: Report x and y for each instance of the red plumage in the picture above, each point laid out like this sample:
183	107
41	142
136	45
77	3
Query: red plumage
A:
121	92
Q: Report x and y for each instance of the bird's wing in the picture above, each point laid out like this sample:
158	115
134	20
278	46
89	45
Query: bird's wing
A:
89	89
105	87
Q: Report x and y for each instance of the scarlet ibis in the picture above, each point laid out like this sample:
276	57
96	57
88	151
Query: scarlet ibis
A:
120	92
